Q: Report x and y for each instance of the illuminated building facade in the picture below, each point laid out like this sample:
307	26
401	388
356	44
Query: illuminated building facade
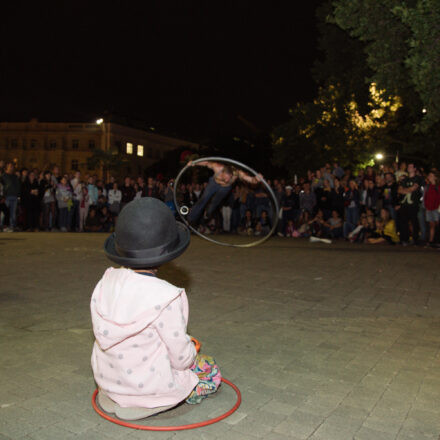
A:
42	145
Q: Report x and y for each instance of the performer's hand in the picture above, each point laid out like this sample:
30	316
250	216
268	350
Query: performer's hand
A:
259	177
190	164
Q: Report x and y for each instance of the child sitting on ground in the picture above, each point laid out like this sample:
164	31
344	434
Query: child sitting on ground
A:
143	360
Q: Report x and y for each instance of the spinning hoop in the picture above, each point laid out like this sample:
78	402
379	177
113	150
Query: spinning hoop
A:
184	210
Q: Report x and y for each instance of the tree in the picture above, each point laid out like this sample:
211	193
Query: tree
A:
335	128
402	44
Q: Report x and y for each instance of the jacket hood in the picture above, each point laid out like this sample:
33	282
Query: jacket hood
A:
124	303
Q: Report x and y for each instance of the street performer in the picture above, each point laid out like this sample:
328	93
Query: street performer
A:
219	186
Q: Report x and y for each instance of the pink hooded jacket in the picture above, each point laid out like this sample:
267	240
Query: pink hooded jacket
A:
142	354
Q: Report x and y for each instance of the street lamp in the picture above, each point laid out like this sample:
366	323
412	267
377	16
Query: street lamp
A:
379	156
99	121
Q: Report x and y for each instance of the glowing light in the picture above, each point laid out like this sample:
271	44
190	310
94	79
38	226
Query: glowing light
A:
129	149
379	156
140	150
99	121
424	110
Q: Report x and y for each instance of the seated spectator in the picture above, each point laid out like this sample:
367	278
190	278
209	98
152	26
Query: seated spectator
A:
263	225
105	219
92	223
317	224
291	231
247	224
385	230
334	225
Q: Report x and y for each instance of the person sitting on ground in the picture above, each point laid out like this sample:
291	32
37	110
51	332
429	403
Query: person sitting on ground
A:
385	230
143	360
105	219
247	224
263	225
291	231
334	225
317	224
92	222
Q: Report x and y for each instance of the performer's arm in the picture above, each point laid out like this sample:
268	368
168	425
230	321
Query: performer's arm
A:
250	179
215	166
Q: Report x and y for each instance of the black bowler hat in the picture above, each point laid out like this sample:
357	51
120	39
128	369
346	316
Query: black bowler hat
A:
146	235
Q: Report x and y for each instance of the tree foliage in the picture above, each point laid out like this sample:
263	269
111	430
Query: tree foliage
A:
334	128
402	44
377	72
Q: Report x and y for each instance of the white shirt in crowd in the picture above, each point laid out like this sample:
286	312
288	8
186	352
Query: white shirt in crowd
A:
114	195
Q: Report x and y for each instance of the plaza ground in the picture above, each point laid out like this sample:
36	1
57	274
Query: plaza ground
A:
326	342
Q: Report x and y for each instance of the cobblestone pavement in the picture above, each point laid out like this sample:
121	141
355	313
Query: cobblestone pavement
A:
326	342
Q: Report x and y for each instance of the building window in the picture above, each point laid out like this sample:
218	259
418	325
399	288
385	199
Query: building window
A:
75	144
90	166
74	165
91	144
129	148
14	143
33	143
140	151
24	144
149	152
53	145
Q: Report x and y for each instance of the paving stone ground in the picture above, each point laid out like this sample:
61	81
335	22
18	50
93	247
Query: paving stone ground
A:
326	342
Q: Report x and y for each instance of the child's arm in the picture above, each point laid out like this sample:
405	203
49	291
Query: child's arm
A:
171	327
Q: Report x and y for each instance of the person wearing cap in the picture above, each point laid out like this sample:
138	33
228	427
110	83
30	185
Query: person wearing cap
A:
143	360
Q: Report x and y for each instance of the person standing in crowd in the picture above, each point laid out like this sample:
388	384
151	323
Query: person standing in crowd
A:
307	203
408	206
114	199
127	192
47	192
76	196
338	172
351	197
64	199
431	201
150	188
289	208
390	195
337	197
11	191
93	191
84	203
31	201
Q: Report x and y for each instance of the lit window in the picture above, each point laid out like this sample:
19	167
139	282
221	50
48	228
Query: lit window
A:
129	148
140	151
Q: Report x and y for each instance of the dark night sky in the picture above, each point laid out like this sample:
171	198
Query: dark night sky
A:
185	66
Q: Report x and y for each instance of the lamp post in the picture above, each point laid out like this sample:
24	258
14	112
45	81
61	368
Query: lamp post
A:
105	143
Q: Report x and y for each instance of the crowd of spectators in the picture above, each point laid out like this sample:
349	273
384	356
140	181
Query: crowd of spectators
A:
391	204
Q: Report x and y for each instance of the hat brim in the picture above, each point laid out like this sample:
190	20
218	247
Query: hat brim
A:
183	242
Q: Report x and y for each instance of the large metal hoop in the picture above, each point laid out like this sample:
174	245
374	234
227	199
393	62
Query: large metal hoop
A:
244	167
